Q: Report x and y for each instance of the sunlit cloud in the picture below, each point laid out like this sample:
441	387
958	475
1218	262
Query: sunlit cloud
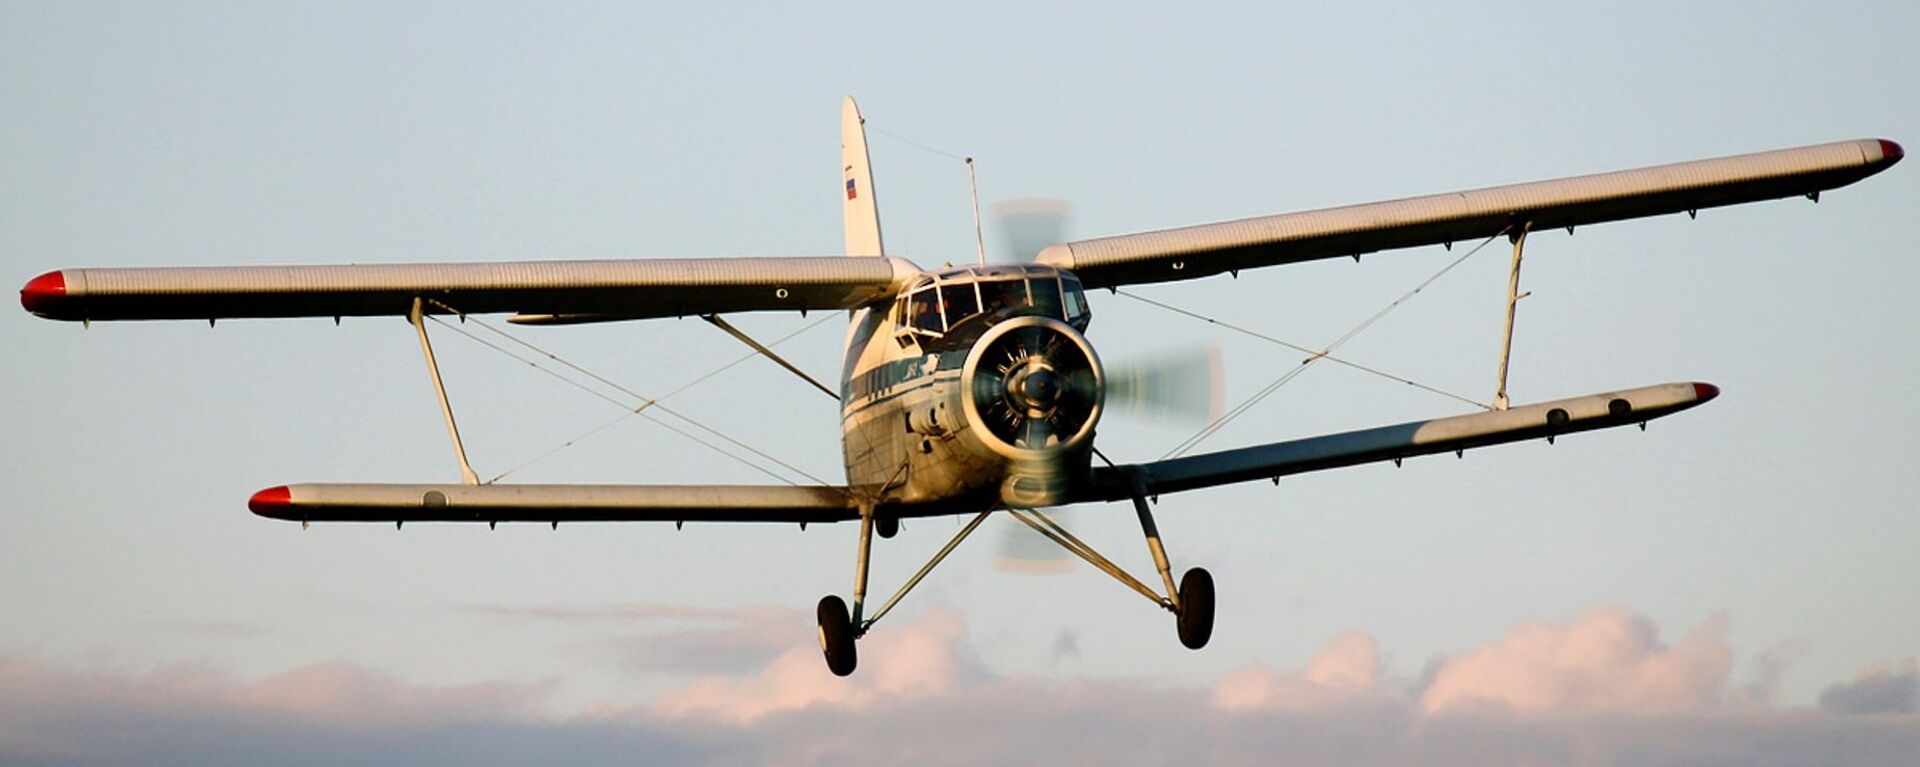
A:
916	660
1347	671
1610	691
1609	660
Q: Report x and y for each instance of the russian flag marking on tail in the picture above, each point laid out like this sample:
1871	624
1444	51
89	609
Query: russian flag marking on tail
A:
852	192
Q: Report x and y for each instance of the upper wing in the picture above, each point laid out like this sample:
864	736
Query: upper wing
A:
1198	251
1392	443
628	289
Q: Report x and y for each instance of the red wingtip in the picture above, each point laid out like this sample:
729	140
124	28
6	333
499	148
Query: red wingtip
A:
43	295
1891	151
1703	391
271	502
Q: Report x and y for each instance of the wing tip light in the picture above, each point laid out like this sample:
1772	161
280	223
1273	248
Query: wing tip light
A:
43	295
1890	151
1704	392
271	502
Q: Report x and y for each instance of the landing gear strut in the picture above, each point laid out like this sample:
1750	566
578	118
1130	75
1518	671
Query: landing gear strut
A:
1191	603
839	628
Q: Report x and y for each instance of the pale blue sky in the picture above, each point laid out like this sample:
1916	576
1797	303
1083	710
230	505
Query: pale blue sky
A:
217	133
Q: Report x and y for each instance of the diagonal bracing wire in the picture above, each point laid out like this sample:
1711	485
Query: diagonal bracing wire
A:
1324	353
637	411
1304	350
646	403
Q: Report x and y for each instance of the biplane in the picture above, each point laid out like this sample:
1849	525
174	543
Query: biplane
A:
964	390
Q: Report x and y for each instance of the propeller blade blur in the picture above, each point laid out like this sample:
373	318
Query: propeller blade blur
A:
1183	384
1024	227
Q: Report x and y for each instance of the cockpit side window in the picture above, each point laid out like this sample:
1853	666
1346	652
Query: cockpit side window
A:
1076	301
1000	294
961	302
923	311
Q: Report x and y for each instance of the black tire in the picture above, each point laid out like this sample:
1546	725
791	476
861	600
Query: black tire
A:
887	527
1196	608
836	636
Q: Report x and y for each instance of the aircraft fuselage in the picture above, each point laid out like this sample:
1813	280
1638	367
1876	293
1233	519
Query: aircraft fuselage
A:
975	386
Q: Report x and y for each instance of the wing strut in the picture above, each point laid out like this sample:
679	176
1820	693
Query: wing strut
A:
716	321
416	316
1514	295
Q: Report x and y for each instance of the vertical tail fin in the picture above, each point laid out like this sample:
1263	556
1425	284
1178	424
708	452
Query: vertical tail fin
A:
862	212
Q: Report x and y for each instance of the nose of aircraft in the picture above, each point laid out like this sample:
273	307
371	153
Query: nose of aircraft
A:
1040	389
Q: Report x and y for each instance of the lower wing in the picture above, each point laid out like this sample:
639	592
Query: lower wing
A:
1393	443
554	503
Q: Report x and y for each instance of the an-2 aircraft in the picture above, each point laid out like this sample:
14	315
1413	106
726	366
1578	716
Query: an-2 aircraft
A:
967	390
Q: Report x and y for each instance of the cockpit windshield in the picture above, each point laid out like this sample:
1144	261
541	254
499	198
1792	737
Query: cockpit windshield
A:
943	302
962	302
1046	297
1000	294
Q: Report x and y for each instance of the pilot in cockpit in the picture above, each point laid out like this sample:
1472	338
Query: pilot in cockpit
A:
924	310
1000	294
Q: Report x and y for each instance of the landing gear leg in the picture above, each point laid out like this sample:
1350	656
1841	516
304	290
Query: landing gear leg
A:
838	629
1192	603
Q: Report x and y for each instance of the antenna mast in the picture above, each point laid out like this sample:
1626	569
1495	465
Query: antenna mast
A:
973	182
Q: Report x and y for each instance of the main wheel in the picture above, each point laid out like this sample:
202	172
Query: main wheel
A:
1196	608
836	636
887	527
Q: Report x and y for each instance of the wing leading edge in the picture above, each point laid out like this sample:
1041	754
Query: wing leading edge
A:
1207	249
1393	443
623	289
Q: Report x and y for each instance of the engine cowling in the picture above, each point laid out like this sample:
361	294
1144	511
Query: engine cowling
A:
1034	390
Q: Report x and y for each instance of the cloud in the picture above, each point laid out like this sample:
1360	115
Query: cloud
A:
1609	660
1346	672
1764	672
1884	688
921	697
916	660
47	711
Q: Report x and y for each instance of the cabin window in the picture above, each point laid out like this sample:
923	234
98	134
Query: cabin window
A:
961	302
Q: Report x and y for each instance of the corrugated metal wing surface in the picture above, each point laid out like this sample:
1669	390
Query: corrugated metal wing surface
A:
625	288
1198	251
